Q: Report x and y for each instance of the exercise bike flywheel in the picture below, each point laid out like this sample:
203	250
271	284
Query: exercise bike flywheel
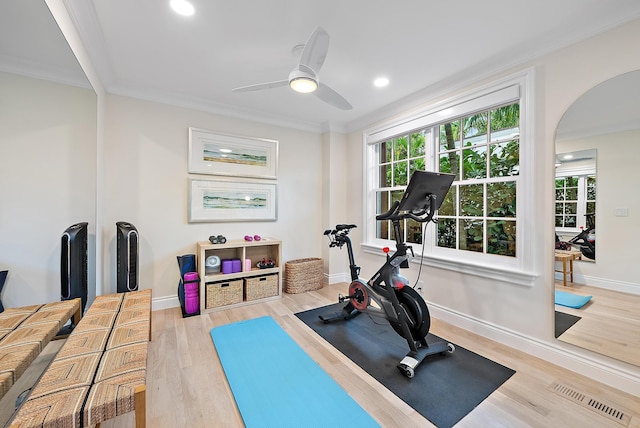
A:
416	312
358	295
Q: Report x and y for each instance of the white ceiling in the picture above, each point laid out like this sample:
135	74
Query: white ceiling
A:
141	48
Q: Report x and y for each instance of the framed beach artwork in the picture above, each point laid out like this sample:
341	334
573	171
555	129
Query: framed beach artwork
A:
229	201
232	155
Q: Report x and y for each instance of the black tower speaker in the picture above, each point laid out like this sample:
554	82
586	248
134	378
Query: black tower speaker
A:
127	256
73	263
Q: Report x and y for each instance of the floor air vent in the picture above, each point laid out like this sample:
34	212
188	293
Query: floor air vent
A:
597	406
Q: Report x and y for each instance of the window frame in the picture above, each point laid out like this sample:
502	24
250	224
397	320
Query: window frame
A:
516	88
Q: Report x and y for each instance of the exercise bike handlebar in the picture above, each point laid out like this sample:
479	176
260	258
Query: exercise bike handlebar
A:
421	216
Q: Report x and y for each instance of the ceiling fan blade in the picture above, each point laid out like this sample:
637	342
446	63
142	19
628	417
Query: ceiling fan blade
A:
315	50
330	96
259	86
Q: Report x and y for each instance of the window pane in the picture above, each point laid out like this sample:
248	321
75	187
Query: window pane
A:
559	221
570	221
572	193
382	205
416	145
501	237
446	233
591	207
416	165
571	181
450	163
505	122
475	129
450	136
471	235
560	195
396	196
385	152
400	174
570	208
414	232
471	200
501	199
400	148
448	206
505	159
385	176
383	229
474	162
591	188
559	208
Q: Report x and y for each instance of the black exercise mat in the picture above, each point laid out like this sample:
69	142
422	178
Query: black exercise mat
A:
444	389
564	322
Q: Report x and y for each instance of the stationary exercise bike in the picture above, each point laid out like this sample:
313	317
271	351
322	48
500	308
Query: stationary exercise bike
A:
585	240
388	294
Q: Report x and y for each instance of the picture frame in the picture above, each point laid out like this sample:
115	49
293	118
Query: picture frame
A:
223	200
232	155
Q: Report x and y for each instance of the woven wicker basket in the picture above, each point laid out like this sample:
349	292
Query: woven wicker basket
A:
259	287
223	293
304	275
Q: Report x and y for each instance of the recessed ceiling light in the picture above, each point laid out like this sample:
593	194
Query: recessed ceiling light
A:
381	82
182	7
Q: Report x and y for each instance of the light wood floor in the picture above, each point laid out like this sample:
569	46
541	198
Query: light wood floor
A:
186	386
610	323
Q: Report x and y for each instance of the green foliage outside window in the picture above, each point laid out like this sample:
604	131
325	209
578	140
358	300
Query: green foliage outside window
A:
483	146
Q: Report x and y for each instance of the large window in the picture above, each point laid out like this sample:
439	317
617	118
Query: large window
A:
479	139
482	151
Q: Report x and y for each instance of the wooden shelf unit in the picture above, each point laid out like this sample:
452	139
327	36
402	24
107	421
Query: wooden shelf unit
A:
267	248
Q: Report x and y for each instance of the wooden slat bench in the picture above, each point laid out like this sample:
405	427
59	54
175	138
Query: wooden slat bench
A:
26	331
100	372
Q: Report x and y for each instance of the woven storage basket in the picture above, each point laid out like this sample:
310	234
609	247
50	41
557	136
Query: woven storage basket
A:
223	293
303	275
259	287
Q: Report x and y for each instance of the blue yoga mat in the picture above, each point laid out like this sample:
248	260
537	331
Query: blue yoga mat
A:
571	300
276	384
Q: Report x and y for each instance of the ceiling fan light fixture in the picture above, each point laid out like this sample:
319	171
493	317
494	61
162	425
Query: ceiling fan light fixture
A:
303	84
182	7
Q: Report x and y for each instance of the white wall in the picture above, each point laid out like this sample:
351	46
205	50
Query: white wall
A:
519	315
617	186
146	184
335	202
47	182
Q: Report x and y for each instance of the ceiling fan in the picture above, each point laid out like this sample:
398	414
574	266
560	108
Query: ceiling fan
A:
304	78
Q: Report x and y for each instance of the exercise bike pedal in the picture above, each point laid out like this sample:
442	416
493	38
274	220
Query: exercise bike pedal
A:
337	316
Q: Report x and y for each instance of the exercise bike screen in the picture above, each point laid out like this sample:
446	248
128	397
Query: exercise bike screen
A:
423	184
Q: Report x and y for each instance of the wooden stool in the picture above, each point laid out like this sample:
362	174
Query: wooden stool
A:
564	258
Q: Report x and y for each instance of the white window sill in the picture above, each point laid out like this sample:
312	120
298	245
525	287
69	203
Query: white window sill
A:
496	272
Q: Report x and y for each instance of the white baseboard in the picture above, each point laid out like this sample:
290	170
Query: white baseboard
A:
336	278
598	367
165	302
609	284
